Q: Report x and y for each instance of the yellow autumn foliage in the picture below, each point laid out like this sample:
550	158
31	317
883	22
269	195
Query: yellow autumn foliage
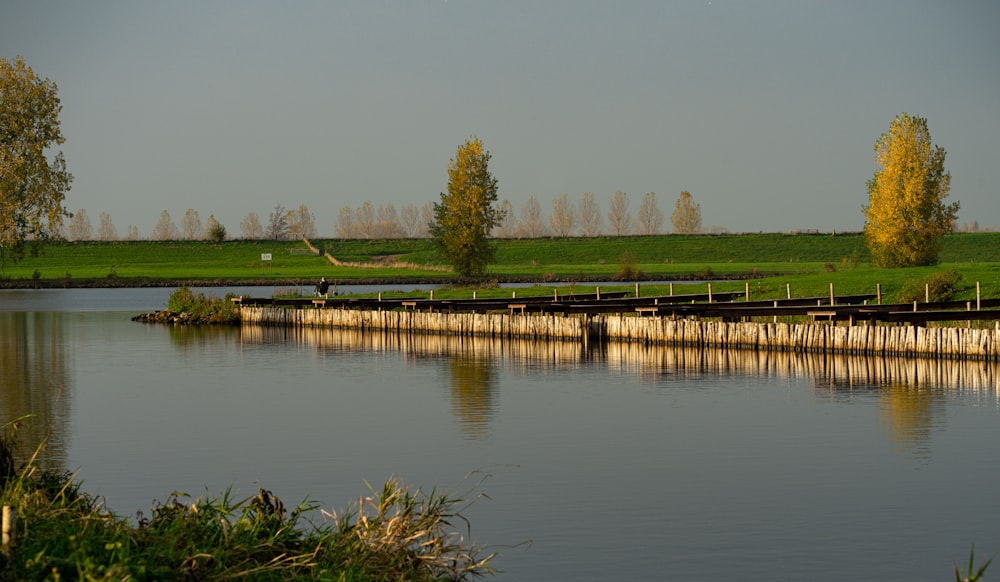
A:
906	217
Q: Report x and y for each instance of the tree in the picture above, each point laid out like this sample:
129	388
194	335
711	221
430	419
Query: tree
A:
191	225
650	215
387	222
32	187
214	230
364	220
106	230
590	214
165	228
409	218
563	217
508	222
250	227
619	218
301	223
131	232
80	227
686	218
906	216
468	211
532	221
277	223
345	222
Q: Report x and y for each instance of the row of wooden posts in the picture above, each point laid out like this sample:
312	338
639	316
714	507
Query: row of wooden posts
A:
959	342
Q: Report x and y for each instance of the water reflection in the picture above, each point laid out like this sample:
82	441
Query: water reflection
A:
35	379
910	392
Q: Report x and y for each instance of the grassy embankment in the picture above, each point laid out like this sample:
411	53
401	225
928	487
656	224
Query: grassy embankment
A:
808	263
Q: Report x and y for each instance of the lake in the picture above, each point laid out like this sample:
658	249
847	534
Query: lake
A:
618	461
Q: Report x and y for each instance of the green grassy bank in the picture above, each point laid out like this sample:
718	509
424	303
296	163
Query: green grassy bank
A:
808	263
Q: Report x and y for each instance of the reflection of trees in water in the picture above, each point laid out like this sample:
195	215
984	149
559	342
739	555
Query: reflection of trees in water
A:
473	393
909	411
33	378
911	391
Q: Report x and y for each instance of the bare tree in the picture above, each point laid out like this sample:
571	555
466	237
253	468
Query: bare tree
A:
619	218
426	218
251	228
563	218
409	218
532	220
387	222
508	222
165	228
191	225
364	218
686	218
650	215
590	214
345	226
301	223
106	229
277	223
80	227
131	232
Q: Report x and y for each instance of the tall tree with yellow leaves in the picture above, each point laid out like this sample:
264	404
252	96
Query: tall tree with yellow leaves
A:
468	211
906	217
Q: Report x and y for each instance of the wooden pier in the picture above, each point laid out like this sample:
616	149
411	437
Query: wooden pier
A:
837	324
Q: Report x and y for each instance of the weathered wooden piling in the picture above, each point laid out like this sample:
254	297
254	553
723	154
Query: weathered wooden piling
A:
903	340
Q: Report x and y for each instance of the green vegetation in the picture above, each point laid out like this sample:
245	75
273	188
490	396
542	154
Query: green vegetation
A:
468	211
808	263
202	309
397	533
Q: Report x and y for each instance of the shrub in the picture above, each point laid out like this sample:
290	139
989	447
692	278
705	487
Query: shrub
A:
202	309
934	288
627	267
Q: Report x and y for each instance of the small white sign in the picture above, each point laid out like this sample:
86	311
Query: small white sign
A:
265	256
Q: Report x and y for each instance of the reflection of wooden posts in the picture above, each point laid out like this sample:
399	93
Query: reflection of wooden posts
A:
9	525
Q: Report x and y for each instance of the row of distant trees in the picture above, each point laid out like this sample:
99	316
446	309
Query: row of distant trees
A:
583	217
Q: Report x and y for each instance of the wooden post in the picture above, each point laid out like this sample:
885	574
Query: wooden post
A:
671	289
598	293
432	295
878	292
927	292
788	290
513	294
555	294
978	296
380	296
709	292
9	525
748	291
637	290
473	294
832	301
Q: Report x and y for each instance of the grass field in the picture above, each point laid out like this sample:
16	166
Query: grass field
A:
806	262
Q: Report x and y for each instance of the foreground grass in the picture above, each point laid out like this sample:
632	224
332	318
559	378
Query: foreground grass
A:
397	533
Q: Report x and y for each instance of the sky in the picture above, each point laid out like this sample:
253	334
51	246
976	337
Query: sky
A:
765	111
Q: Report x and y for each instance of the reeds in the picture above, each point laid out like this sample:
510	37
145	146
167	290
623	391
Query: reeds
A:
397	534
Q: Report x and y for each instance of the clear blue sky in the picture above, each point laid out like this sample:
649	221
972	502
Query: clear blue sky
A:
766	111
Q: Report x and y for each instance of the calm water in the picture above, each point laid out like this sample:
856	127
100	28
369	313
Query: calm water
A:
616	462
